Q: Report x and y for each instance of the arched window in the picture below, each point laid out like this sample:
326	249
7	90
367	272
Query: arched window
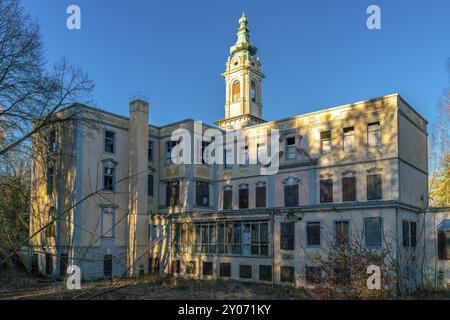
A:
253	88
236	91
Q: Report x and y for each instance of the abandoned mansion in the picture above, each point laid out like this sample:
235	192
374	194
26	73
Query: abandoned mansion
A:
108	197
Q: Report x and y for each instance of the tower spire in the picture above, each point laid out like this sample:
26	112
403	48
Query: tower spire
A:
243	45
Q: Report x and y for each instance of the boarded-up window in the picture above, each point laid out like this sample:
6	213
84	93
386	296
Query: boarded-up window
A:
374	190
291	195
313	275
227	199
313	233
342	232
326	191
190	267
207	268
265	273
287	274
108	222
287	235
260	196
372	229
236	91
176	266
349	189
349	139
325	141
172	193
243	197
225	270
245	271
202	193
373	134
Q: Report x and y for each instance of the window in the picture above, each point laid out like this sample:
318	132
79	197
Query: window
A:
110	142
349	189
409	233
291	195
202	194
244	153
153	265
287	274
261	152
52	141
107	266
243	196
313	275
50	179
287	235
326	191
48	263
374	190
265	273
200	156
245	272
190	267
342	276
342	232
172	194
372	228
207	268
349	139
443	245
229	238
150	182
236	91
205	238
229	158
259	238
150	150
228	198
253	91
108	222
225	270
51	228
313	234
325	141
63	262
176	267
169	146
260	194
373	134
109	172
290	148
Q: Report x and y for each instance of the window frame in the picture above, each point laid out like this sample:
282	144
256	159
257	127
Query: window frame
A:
113	139
369	124
110	187
335	226
374	192
328	181
375	246
307	223
347	132
200	196
287	241
322	140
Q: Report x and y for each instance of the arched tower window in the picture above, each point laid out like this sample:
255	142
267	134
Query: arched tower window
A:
253	91
236	91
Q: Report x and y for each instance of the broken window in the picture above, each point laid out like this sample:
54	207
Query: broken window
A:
108	222
265	273
374	190
110	141
172	193
291	195
109	176
349	139
225	270
202	193
287	274
260	194
243	196
349	189
287	235
342	232
325	141
290	148
313	233
372	229
245	271
373	134
207	268
326	191
227	198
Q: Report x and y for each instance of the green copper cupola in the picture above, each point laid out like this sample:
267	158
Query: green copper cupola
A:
243	45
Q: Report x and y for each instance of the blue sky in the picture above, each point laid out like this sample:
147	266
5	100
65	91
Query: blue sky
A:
316	54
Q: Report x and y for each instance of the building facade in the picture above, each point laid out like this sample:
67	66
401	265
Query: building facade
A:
123	208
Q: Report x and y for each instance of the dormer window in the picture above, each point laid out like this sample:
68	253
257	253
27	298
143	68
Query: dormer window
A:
236	91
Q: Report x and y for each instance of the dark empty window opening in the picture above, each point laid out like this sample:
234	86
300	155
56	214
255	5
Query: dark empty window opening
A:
227	199
202	193
110	142
48	263
265	273
243	197
225	270
207	268
107	266
287	274
287	235
313	233
245	271
260	197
